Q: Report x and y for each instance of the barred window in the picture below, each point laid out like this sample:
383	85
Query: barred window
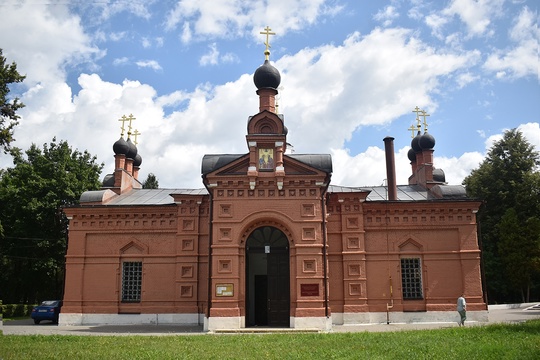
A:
131	281
411	278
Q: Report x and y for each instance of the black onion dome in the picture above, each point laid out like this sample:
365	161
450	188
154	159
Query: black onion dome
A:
137	161
414	142
267	76
411	155
426	141
438	175
120	147
132	152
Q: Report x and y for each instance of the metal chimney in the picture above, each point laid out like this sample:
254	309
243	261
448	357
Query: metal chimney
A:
390	167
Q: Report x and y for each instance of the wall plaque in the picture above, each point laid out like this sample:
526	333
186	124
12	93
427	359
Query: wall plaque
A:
224	289
309	289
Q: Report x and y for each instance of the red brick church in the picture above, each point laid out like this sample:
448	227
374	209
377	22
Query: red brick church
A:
268	241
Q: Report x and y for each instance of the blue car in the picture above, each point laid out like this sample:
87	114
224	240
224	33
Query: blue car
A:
48	310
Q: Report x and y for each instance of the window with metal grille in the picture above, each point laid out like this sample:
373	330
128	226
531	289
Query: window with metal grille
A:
411	278
131	281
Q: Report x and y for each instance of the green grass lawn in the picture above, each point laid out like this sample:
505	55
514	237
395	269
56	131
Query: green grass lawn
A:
517	341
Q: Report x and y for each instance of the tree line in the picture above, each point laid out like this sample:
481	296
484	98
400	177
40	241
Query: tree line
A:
43	180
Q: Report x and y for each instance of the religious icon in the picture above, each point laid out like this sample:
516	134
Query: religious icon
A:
266	159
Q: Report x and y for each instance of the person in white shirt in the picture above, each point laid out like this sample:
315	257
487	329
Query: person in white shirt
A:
462	310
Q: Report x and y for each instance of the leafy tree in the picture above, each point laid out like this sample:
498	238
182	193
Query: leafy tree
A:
519	248
151	182
32	195
507	179
8	108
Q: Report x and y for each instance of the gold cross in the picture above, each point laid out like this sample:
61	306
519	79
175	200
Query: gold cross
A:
416	110
267	32
424	114
123	119
412	129
130	119
135	134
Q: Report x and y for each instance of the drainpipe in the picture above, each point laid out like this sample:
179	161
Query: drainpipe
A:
210	242
325	267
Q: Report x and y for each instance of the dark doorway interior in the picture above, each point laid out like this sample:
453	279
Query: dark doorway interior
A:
267	278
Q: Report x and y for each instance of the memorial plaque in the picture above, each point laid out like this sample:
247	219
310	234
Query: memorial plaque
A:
309	289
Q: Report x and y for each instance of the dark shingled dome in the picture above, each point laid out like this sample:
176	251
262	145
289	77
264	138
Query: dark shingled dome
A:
438	175
426	141
120	147
132	152
137	161
267	76
411	155
415	142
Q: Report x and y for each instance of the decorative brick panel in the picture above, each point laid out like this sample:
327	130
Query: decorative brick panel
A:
308	233
186	271
187	245
186	291
310	266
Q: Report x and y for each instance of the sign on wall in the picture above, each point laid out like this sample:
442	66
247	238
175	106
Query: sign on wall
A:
224	289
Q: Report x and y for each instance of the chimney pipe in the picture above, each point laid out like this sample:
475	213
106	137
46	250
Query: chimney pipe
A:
390	167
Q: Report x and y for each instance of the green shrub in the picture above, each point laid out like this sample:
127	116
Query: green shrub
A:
16	310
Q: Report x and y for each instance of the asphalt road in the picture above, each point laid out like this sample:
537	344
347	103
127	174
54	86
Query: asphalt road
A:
496	314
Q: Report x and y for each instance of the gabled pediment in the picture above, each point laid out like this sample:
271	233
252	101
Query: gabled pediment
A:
410	245
236	168
296	168
134	247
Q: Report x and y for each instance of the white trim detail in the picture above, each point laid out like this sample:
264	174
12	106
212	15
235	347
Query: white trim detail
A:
405	317
129	319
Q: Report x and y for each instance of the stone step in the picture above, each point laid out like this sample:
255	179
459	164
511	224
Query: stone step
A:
264	330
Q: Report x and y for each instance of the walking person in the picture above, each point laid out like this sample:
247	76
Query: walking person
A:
462	310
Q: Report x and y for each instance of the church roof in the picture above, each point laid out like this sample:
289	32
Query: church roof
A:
321	162
140	197
380	193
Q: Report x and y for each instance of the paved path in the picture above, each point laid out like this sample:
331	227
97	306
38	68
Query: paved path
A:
496	314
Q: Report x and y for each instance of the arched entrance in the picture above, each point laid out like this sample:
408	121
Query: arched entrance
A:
267	278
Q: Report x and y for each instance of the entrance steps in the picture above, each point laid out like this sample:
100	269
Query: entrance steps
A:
265	330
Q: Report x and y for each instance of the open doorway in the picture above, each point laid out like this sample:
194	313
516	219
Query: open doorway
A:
267	278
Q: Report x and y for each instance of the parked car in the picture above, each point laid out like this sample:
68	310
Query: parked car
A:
47	310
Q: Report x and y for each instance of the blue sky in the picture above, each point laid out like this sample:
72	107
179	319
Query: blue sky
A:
352	72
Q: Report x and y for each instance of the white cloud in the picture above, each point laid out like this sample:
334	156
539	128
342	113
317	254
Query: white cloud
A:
135	7
152	64
120	61
387	15
213	57
436	23
210	58
476	14
146	43
389	68
522	59
531	131
118	36
466	78
231	18
42	51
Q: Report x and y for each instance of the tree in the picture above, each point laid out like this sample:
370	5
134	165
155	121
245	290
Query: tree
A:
151	182
8	108
507	179
32	195
519	248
